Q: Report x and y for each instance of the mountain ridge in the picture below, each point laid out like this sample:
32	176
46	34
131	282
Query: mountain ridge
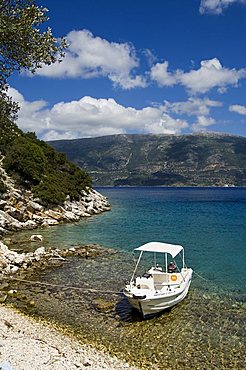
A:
199	159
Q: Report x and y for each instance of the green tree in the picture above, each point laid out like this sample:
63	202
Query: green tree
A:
23	46
26	158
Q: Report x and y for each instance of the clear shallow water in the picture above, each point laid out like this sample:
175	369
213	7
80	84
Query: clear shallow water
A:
206	330
209	222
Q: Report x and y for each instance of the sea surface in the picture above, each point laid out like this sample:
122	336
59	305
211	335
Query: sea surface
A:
205	331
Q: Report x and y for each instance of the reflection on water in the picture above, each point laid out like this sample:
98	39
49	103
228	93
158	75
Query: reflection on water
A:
205	331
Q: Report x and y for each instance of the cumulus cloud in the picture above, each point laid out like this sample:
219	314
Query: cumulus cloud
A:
240	109
199	108
210	75
192	107
89	56
217	6
89	117
202	123
28	116
160	74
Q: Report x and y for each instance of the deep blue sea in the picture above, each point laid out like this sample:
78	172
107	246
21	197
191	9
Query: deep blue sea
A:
209	222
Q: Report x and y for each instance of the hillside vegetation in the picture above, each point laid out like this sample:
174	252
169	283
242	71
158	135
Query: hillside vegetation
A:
169	160
36	166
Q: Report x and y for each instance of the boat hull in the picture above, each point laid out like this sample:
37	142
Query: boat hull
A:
153	303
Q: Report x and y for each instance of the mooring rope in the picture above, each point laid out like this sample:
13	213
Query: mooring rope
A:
217	289
90	290
201	277
87	290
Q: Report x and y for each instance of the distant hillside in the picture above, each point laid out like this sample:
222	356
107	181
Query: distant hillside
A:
170	160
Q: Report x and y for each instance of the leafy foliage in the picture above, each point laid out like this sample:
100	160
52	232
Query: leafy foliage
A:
37	166
22	45
26	159
8	131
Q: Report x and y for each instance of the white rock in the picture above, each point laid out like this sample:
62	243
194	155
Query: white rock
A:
11	256
20	259
49	222
10	222
39	252
3	248
36	237
14	269
35	206
30	224
71	216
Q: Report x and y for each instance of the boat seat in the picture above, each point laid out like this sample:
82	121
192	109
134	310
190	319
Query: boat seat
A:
145	283
160	279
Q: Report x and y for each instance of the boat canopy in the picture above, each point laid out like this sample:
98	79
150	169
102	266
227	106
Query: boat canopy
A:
161	248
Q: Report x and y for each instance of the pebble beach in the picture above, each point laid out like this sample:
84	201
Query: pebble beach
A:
27	344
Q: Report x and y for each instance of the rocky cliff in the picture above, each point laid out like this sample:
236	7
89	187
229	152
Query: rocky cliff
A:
19	209
169	160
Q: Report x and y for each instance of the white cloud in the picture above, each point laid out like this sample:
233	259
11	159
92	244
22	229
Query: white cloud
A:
210	75
160	74
28	115
89	56
192	107
240	109
202	123
217	6
200	108
89	117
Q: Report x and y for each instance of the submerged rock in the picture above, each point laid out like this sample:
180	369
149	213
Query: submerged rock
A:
103	305
36	237
3	297
11	262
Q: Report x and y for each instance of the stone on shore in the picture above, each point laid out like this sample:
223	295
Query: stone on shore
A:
31	345
20	210
11	261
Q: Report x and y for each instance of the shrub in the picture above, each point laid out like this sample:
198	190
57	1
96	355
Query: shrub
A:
38	166
26	159
8	132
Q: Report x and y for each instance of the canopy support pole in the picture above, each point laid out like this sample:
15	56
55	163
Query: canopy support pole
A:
139	258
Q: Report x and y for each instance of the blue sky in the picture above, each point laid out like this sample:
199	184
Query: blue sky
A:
160	66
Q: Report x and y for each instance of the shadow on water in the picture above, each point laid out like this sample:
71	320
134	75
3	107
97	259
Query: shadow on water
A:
129	314
126	312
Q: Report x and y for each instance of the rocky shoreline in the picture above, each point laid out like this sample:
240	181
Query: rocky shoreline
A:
26	343
19	210
12	262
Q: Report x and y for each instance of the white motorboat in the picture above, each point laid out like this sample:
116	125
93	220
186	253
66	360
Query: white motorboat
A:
160	287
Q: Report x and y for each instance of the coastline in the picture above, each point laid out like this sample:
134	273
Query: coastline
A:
163	339
30	344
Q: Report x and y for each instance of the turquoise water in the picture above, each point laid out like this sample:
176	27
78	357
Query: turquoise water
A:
206	330
209	222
